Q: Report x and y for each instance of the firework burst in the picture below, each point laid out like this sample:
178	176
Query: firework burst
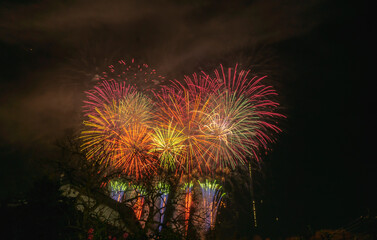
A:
138	75
187	112
262	117
104	94
118	115
230	129
132	151
168	143
99	131
135	109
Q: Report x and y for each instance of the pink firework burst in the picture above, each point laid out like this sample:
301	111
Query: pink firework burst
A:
260	114
105	94
138	75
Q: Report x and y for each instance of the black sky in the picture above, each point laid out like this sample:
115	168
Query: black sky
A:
318	55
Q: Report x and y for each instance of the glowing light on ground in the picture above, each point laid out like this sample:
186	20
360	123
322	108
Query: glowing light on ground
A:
139	204
187	187
118	189
211	198
164	191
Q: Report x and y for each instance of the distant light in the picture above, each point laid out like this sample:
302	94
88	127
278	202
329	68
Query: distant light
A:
277	219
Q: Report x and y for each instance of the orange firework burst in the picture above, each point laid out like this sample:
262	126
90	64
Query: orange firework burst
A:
111	128
133	151
101	128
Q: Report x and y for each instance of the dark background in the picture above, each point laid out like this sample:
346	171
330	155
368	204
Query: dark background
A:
318	55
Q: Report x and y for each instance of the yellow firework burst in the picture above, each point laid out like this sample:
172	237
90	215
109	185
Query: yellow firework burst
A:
168	143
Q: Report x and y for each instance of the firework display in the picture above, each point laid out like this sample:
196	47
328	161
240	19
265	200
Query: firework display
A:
224	119
206	124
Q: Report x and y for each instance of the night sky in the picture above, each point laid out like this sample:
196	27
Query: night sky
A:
317	54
